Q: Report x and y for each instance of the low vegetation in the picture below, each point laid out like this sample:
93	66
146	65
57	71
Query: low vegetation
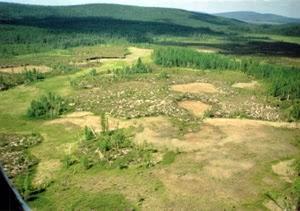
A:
137	68
113	149
284	82
9	80
18	162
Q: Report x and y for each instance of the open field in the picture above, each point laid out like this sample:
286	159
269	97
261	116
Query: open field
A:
175	117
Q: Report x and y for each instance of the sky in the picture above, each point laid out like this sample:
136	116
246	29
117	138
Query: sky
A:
290	8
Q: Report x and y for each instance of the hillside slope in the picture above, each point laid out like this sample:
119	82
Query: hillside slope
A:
259	18
120	12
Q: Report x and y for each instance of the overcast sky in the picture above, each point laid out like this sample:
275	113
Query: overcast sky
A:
289	8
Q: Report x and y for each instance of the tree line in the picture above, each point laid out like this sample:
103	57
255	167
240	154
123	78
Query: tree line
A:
284	81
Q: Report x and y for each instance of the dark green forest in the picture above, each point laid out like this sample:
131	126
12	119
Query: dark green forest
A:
31	29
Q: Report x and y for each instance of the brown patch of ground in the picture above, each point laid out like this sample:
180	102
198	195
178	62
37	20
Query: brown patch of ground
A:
272	206
251	123
197	108
284	169
20	69
135	53
46	171
195	88
82	119
251	85
213	133
143	186
223	163
79	119
226	168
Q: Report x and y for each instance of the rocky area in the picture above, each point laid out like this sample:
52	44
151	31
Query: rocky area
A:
14	155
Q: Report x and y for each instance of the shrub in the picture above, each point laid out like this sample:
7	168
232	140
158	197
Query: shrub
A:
88	134
113	140
47	106
93	72
104	123
84	160
33	75
294	112
68	161
169	157
163	75
115	149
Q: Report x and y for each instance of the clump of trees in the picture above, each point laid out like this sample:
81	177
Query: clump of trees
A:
47	106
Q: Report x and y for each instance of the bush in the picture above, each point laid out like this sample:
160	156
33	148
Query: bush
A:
169	157
115	149
33	75
294	112
104	123
93	72
163	75
47	106
113	140
84	160
88	133
68	161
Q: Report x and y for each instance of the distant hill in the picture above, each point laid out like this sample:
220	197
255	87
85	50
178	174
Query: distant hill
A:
115	11
258	18
133	22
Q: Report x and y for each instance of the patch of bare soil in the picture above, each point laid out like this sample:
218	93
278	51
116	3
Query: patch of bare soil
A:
195	88
79	119
226	168
272	206
284	169
224	157
82	119
251	123
251	85
20	69
197	108
135	53
46	171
